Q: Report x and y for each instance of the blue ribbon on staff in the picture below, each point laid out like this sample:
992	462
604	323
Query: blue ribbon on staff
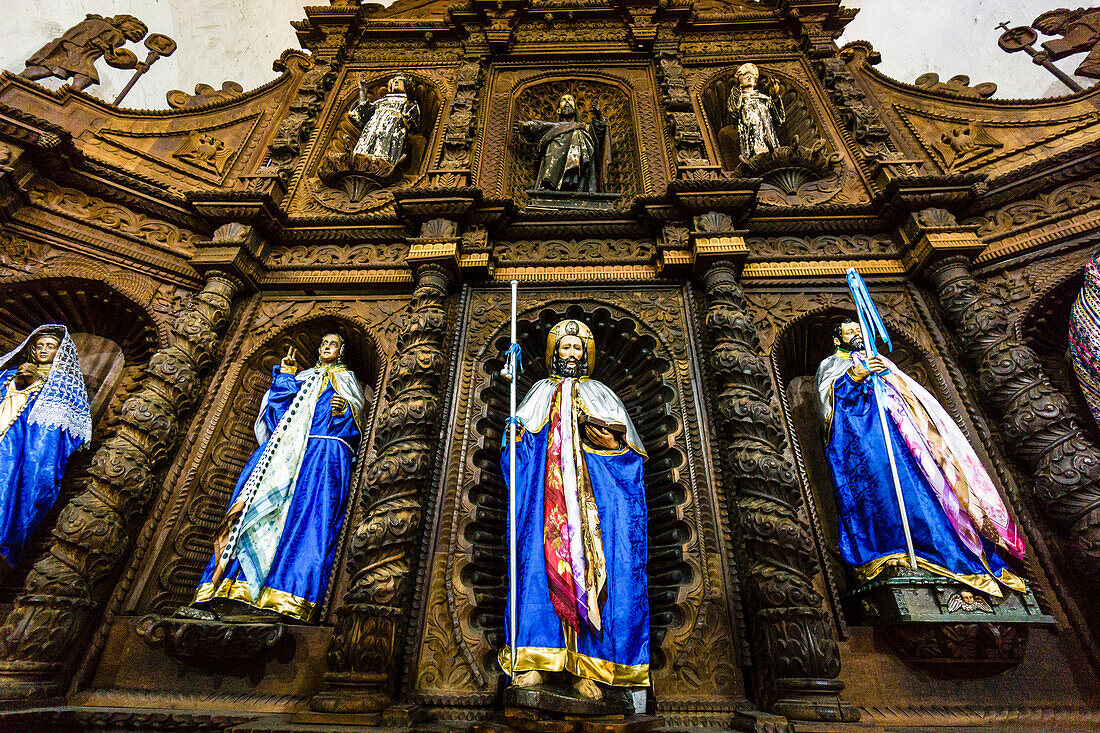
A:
511	421
516	351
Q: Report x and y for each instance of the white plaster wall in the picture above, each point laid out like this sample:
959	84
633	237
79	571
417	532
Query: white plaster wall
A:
239	39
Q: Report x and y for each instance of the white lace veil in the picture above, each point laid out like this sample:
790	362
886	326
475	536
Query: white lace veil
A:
63	401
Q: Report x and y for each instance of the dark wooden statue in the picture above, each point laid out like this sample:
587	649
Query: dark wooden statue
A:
73	55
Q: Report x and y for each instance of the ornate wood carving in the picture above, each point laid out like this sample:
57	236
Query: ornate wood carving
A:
796	660
1035	418
365	651
44	633
857	111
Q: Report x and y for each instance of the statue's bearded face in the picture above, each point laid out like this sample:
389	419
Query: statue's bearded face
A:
850	338
567	106
570	359
44	349
331	349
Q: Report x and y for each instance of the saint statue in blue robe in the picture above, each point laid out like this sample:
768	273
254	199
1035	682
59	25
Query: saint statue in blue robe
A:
956	516
44	417
276	547
583	602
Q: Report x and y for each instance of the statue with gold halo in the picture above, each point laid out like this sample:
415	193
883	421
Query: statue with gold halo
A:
581	520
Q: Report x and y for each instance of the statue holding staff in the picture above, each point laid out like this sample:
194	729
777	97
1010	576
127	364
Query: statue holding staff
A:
573	155
581	547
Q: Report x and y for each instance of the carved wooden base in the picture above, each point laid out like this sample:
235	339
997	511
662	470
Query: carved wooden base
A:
517	720
564	700
213	645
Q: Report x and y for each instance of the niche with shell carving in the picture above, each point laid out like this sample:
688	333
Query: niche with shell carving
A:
190	538
540	102
804	170
351	183
637	367
114	337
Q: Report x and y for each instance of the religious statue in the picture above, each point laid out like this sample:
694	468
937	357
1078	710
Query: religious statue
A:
386	122
274	550
573	156
74	54
757	115
581	528
44	417
956	517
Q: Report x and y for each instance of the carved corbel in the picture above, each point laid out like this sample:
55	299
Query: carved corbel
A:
365	654
796	660
45	633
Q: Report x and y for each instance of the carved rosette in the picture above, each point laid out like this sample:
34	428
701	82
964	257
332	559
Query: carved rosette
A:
1036	419
365	647
45	631
796	656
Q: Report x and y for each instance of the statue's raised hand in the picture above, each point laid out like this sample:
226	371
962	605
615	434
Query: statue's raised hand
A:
362	91
597	113
289	364
25	375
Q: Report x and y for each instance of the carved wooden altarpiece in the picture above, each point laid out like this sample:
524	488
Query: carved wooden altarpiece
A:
189	247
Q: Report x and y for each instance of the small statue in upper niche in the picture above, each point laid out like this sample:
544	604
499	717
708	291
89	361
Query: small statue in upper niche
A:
758	115
386	123
73	55
573	156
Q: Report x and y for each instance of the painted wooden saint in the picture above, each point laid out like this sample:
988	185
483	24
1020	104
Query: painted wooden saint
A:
44	417
957	518
758	115
573	155
276	546
386	123
581	520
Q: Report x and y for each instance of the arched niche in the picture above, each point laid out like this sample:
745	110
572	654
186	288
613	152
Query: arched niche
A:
1044	326
338	171
539	101
799	348
806	169
233	441
637	367
114	336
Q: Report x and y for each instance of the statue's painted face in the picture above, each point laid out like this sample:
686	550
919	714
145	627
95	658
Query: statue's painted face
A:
329	350
570	356
567	105
851	337
44	349
747	76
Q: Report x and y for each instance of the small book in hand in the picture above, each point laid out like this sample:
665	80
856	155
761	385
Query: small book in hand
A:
615	427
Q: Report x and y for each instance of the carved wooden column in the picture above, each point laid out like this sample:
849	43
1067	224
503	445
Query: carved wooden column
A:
365	651
1035	417
795	655
46	630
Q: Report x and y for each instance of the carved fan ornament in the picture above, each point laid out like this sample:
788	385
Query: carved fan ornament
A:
540	102
804	170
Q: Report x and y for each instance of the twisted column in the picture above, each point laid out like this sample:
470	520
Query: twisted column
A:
796	659
46	630
1035	418
365	649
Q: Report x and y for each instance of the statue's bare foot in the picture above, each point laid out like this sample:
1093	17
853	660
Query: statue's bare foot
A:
528	679
587	688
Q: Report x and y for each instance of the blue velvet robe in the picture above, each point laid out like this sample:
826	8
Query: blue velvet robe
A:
298	577
32	463
621	656
871	534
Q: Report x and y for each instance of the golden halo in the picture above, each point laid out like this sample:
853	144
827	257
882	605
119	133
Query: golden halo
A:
570	327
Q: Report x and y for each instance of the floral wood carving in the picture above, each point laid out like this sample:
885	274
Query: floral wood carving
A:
796	658
856	110
43	634
294	129
204	95
365	651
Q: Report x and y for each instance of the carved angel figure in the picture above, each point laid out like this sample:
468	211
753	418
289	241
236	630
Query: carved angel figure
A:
386	122
757	114
74	54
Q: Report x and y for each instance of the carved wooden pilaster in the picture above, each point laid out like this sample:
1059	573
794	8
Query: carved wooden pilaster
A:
1035	417
796	659
364	654
45	632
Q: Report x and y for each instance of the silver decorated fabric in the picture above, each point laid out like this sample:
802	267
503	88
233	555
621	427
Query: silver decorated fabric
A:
63	400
